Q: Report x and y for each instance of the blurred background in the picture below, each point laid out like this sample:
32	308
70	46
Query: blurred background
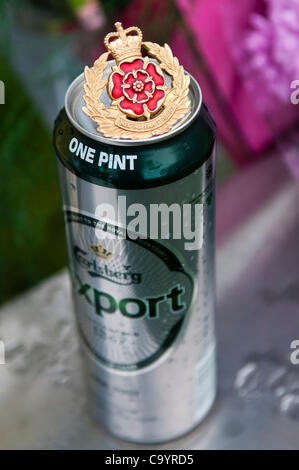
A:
244	55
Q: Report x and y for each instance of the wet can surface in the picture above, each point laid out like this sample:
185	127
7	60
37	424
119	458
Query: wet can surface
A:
144	305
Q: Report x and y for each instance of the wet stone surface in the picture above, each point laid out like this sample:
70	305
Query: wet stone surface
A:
43	401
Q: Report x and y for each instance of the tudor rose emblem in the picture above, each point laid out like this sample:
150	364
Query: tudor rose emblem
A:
142	104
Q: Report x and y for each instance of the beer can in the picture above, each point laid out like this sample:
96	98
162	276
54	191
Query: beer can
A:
144	296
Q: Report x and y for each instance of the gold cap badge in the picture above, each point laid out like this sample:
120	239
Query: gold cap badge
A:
143	102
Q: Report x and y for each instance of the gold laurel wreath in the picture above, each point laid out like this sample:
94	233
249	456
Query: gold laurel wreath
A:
106	117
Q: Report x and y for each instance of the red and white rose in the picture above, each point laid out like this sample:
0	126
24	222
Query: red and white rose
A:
139	86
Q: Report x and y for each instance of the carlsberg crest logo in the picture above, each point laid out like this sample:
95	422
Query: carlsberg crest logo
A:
126	276
100	251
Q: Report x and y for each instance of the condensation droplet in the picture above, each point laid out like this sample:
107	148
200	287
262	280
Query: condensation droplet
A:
289	405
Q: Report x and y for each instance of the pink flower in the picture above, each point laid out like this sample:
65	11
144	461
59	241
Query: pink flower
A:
269	52
139	86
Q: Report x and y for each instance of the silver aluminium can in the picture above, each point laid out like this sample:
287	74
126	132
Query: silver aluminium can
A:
144	307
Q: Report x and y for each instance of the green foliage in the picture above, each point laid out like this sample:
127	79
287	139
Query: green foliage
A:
111	7
32	244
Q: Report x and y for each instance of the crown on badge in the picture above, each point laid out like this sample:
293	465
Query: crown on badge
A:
125	45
